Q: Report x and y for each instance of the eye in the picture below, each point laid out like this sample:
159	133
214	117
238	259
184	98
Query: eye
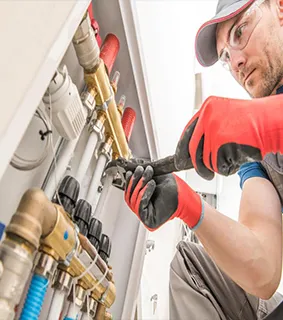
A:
226	56
239	31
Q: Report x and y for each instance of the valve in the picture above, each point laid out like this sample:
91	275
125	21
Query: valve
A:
82	215
68	193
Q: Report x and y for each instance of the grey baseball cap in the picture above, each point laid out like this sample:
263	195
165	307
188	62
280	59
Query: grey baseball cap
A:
205	43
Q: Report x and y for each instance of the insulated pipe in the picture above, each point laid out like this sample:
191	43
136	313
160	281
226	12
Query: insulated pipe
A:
94	24
60	167
35	298
128	122
109	50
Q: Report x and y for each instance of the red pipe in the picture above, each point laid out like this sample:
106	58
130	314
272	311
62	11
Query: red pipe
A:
109	51
128	121
94	24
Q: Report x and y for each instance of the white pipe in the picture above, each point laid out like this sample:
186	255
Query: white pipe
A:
87	155
95	180
73	312
104	195
60	167
56	305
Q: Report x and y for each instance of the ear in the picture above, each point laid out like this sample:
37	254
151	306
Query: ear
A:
279	7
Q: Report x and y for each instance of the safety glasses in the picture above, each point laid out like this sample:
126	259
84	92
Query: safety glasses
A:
241	32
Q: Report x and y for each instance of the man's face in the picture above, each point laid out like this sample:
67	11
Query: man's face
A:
259	66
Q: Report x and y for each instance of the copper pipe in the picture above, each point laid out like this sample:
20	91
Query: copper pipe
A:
90	249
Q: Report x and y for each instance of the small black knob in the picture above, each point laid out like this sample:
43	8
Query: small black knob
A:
105	247
68	193
82	216
94	232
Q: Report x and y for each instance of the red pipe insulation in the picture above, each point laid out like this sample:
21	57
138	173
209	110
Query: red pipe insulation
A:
94	24
109	50
128	121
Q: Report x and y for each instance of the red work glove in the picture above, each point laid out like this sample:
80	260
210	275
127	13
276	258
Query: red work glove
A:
156	200
226	133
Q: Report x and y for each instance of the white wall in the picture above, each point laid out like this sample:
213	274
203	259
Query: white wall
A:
167	33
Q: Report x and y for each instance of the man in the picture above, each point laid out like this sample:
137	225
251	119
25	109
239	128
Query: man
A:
237	271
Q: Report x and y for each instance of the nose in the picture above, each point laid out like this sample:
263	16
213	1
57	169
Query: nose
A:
237	60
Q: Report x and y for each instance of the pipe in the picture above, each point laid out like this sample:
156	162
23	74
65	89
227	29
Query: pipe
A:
103	157
87	155
35	298
17	264
77	299
89	248
95	180
60	167
128	122
73	312
104	196
109	51
96	129
62	284
56	305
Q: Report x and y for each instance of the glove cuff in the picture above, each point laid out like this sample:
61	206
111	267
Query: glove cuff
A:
191	206
201	216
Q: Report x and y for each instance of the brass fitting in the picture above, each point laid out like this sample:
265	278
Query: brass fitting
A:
92	306
105	102
85	44
37	217
62	281
46	265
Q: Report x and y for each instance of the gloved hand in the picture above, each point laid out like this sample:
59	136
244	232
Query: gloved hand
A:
225	133
156	200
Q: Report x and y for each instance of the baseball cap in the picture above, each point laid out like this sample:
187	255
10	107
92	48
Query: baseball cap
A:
205	43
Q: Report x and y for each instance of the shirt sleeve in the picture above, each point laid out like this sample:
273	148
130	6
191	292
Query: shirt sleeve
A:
250	170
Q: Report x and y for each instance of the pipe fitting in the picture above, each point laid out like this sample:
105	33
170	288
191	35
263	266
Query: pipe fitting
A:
63	237
35	217
85	45
17	263
105	101
92	306
80	295
97	125
88	101
46	265
62	281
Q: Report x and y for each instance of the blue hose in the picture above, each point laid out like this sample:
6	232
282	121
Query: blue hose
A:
35	298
